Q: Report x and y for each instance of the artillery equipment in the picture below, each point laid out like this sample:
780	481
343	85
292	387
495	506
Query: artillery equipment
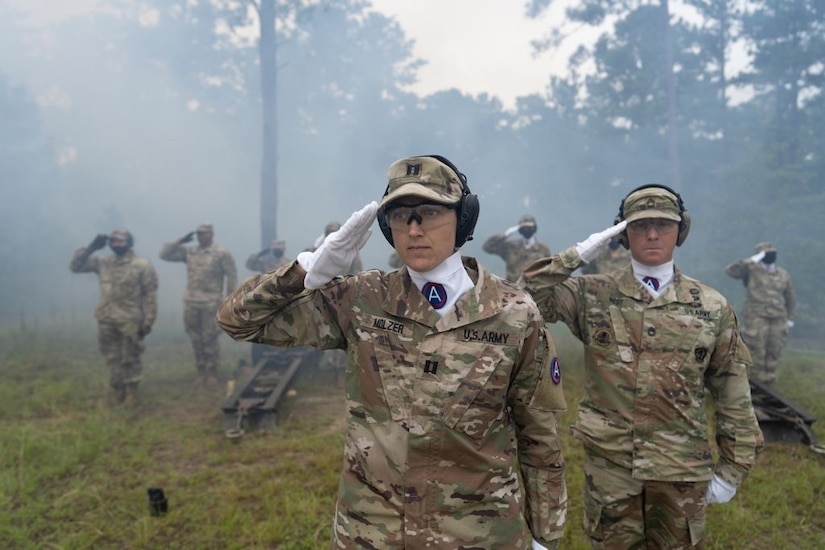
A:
781	420
253	405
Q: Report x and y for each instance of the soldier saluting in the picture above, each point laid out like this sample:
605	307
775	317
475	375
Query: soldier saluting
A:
127	308
452	382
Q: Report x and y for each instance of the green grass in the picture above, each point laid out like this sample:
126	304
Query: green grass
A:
74	471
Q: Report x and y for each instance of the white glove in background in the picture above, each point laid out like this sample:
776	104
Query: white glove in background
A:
756	258
789	324
339	249
511	230
589	248
719	491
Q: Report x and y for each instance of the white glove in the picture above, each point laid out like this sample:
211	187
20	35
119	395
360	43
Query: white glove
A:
756	258
790	324
534	545
511	230
719	491
339	249
589	248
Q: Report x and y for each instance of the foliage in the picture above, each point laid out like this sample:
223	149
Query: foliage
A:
74	472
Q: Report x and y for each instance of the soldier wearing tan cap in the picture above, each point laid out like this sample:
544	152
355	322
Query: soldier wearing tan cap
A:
210	275
657	346
452	381
127	309
769	309
518	253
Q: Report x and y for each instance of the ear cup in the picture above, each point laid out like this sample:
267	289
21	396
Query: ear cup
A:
684	228
621	238
467	217
384	225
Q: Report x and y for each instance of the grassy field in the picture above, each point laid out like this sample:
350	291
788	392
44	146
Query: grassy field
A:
74	471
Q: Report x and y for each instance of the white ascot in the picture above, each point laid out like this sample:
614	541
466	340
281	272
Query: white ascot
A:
451	275
663	273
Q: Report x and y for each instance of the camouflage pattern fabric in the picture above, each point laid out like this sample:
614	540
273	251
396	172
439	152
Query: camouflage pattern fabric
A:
621	512
649	365
607	261
445	416
515	255
207	268
128	302
265	263
769	305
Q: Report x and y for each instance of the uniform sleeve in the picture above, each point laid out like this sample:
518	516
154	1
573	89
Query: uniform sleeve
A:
497	244
739	269
790	299
150	295
555	292
536	396
230	271
738	437
274	308
84	262
254	263
173	252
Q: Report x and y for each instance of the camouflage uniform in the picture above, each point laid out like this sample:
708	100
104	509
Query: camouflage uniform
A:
444	415
515	255
207	268
126	311
264	262
769	305
607	261
649	364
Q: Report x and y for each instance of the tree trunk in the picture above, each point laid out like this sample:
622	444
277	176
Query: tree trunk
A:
672	115
268	49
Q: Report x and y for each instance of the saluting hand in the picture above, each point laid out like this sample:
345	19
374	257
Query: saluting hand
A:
187	238
99	242
589	248
339	249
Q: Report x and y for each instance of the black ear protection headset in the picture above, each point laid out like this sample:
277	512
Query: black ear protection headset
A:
467	209
684	215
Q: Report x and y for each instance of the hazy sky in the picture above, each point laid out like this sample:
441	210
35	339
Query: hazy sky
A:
476	46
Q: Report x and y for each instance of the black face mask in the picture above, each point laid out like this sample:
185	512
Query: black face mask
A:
527	231
770	257
120	250
277	253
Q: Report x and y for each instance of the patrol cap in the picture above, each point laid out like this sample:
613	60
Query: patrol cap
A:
424	177
651	202
204	228
765	247
527	219
278	245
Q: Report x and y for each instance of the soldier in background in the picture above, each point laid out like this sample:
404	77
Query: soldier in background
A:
452	383
126	311
395	260
356	266
657	345
210	275
612	257
769	309
269	258
517	254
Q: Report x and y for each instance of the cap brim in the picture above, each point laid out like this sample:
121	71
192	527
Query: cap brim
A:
417	190
652	213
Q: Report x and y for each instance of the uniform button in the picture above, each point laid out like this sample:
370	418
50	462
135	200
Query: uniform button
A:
651	331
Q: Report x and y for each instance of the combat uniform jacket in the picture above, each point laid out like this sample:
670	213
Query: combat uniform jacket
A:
516	257
128	286
206	267
649	364
265	263
770	294
441	412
